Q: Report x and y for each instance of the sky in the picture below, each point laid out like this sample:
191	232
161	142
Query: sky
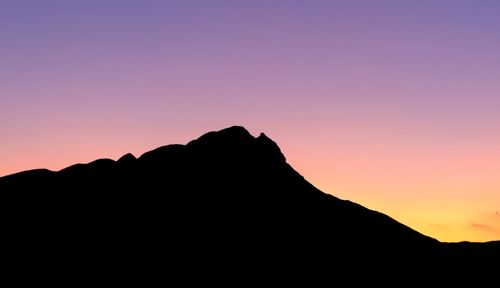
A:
391	104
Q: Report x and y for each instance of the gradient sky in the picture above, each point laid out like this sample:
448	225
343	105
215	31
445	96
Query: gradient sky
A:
391	104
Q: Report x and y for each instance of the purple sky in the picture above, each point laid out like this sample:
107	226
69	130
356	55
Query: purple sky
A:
393	104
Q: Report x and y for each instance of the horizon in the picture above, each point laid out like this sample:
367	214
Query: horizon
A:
387	104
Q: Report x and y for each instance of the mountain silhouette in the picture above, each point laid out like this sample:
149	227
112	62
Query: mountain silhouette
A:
227	196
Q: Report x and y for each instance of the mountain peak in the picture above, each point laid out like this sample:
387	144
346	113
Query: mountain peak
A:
228	135
127	158
234	130
270	147
238	140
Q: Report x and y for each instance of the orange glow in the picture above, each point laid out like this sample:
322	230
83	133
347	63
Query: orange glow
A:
451	195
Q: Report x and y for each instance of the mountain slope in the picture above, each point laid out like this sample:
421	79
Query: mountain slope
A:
227	195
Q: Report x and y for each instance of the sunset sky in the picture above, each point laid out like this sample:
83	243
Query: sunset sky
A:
391	104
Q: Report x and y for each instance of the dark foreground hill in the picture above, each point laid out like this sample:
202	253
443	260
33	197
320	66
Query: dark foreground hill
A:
226	199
